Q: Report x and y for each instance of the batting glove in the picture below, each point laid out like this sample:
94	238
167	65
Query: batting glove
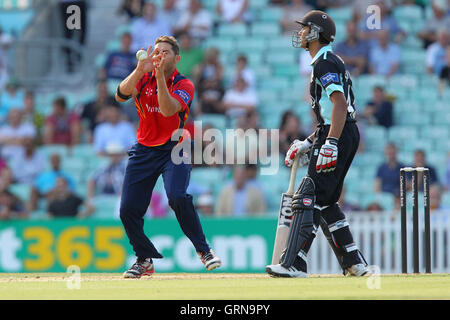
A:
328	154
297	146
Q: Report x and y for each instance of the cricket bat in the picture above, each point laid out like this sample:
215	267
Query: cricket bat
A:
285	215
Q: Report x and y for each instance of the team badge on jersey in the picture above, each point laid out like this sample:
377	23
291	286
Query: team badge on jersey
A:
183	95
329	78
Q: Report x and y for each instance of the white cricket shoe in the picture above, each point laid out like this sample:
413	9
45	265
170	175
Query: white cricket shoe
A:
209	259
358	270
277	270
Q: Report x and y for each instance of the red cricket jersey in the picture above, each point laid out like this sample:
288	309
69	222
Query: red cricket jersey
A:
155	129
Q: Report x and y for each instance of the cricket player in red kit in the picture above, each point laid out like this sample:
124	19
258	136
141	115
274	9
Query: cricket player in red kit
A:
163	97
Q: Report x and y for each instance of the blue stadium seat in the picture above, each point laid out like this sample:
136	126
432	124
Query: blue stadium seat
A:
288	58
285	42
435	132
385	200
441	118
222	43
251	43
15	21
341	14
411	13
275	83
445	200
258	4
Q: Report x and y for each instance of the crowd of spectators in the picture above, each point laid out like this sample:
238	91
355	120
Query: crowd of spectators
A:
111	128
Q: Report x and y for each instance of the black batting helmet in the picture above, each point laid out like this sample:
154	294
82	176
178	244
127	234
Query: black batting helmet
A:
324	23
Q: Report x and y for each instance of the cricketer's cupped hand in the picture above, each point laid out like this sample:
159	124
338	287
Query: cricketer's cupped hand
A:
328	154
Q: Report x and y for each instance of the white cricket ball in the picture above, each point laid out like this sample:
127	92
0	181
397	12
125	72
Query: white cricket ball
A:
141	55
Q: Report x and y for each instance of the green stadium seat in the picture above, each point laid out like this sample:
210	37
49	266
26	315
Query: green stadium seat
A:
216	120
397	133
120	30
251	43
232	30
284	42
48	150
21	191
207	177
100	60
15	21
411	13
288	58
403	80
441	118
271	14
445	199
340	14
267	29
436	159
112	85
74	165
385	200
411	118
261	71
435	132
275	83
405	157
113	45
222	43
410	145
268	95
375	138
105	207
258	4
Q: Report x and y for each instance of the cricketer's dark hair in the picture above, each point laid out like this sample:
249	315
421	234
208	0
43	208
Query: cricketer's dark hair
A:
170	40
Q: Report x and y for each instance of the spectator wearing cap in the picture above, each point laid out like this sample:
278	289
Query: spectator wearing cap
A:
239	198
150	27
46	182
354	51
436	53
62	126
379	110
384	56
13	133
113	131
121	63
196	21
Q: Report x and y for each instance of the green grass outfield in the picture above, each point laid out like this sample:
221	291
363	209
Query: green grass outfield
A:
222	286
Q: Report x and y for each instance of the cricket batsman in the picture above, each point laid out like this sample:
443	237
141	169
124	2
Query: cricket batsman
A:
163	97
331	149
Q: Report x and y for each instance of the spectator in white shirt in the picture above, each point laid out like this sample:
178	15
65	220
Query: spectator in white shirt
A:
113	131
27	164
13	134
233	11
147	29
197	21
240	99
